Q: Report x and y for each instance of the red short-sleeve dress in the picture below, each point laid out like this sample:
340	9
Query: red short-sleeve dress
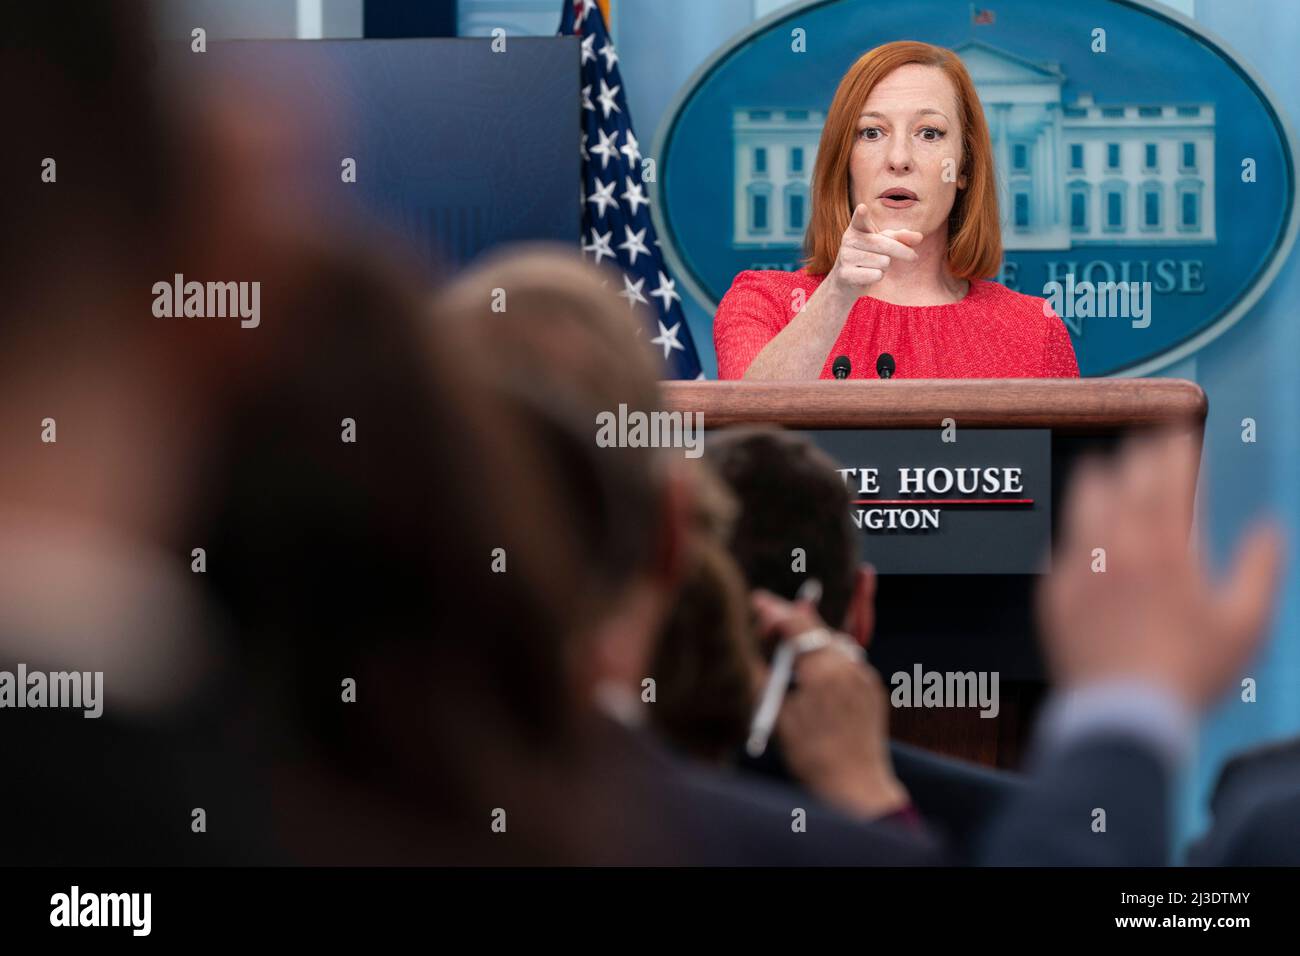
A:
992	333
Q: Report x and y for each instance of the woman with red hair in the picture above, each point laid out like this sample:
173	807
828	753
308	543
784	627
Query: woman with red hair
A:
901	244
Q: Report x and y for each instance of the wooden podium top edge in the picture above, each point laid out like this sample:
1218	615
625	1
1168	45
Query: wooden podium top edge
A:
1070	405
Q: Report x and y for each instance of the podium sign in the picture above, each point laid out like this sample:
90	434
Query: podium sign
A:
979	615
978	504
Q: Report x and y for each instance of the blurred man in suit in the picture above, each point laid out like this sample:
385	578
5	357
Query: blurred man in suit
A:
567	351
712	673
307	656
791	496
104	411
1122	715
1137	652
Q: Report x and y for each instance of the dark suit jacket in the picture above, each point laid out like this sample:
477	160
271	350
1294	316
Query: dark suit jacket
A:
1255	809
1051	821
119	790
956	799
734	819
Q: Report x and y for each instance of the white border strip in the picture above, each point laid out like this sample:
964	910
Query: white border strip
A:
311	19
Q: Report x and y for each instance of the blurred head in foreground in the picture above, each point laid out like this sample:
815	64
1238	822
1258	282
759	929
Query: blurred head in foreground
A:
662	599
277	542
563	348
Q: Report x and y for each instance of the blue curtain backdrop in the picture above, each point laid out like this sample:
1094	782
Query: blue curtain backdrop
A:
1249	372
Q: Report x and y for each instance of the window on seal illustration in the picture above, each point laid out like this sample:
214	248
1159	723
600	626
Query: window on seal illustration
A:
1021	217
1189	205
1020	157
759	202
1078	206
796	204
1113	196
1152	201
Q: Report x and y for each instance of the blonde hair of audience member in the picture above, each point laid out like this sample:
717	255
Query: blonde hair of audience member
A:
554	335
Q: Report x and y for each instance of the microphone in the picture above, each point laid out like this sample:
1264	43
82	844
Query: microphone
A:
885	365
841	367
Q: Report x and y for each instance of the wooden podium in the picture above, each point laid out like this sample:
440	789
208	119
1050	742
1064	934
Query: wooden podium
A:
960	622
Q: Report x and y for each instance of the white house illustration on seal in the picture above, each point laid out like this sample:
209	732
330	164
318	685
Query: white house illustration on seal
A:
1068	174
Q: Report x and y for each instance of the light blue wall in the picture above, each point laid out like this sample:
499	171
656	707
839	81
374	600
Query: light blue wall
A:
478	18
260	19
1253	370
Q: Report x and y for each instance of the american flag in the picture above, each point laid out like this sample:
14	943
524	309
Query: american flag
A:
616	222
982	17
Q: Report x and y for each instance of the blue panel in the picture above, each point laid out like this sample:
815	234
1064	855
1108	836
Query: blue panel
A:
457	148
402	18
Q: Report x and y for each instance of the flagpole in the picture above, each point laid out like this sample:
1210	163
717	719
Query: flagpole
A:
608	16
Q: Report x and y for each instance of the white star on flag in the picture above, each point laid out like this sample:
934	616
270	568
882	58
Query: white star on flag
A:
632	291
633	243
615	198
668	339
605	149
634	196
607	51
630	148
668	289
600	245
603	197
607	98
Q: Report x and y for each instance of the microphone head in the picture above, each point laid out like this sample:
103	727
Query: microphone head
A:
841	367
885	365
